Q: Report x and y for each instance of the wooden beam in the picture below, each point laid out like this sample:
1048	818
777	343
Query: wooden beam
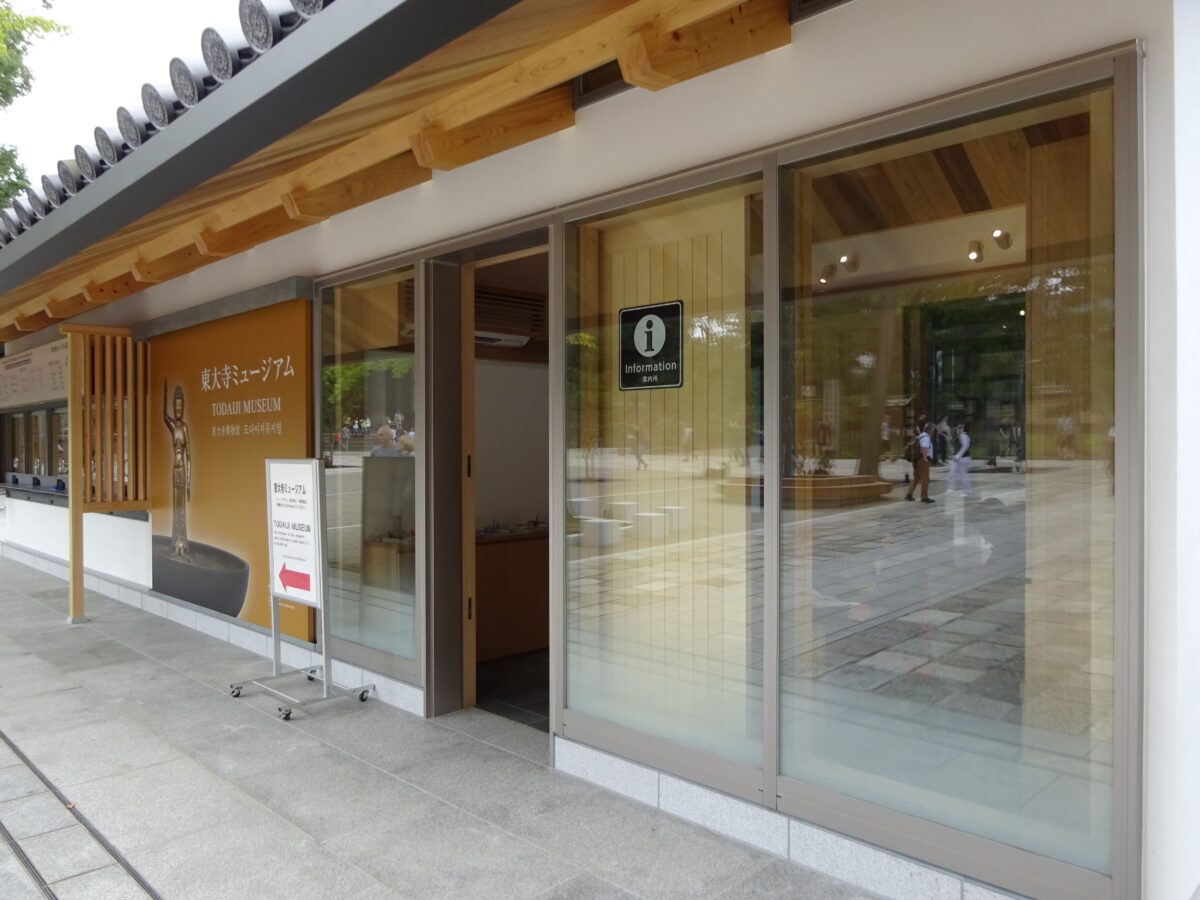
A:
253	216
8	332
122	285
96	329
178	262
380	180
68	306
654	59
266	226
543	114
33	322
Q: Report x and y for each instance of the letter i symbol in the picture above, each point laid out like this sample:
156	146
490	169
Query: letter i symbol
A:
649	337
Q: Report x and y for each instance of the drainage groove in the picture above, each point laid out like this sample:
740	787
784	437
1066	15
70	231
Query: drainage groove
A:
27	863
83	820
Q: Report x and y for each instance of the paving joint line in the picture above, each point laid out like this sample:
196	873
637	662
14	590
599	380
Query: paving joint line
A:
97	835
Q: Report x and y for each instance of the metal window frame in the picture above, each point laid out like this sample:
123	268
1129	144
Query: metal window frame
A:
969	855
938	845
411	671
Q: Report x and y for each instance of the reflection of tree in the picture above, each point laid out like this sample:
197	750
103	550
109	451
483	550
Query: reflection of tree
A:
344	385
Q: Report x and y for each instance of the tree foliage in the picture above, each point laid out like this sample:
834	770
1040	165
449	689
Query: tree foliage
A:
18	31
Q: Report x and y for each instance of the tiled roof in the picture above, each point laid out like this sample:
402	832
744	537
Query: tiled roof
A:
223	55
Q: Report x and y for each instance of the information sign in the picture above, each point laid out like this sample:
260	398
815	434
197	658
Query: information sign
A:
294	517
34	376
652	346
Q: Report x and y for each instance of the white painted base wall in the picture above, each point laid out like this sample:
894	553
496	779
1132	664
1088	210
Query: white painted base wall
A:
886	874
112	545
388	690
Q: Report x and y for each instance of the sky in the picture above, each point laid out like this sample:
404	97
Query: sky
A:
80	78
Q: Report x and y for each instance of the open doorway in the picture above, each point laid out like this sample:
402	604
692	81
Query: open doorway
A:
506	494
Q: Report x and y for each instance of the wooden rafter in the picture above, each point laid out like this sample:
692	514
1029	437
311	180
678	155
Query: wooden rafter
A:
527	120
654	58
520	100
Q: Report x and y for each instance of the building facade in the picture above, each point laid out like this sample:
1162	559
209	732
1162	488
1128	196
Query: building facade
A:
628	423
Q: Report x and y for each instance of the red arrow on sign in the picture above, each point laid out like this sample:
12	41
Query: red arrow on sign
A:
292	579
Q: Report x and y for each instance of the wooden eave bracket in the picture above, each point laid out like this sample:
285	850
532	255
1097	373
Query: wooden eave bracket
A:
266	226
654	58
527	120
372	183
100	293
32	322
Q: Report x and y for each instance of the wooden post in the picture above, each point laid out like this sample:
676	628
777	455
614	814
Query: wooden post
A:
77	474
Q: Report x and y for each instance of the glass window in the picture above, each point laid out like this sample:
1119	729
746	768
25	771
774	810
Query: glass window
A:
947	487
664	547
15	442
58	442
368	439
37	442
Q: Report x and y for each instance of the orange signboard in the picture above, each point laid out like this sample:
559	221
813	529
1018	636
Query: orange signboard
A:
226	395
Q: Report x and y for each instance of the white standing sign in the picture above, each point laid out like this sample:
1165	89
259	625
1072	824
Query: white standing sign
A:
294	517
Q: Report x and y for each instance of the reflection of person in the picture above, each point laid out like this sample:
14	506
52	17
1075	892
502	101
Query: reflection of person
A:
923	456
384	445
181	471
960	471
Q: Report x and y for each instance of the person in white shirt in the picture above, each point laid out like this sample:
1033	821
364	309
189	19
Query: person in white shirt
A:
921	461
960	473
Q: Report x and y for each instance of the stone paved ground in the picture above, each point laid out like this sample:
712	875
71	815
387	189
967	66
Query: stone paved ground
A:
207	796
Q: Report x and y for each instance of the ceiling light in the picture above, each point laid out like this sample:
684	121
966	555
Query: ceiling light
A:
827	274
1022	312
1002	238
975	251
849	262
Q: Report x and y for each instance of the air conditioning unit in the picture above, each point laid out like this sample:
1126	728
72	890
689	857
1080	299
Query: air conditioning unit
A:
497	339
491	338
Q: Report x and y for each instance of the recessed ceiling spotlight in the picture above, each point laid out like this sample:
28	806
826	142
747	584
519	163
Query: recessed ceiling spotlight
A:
975	251
1002	238
1022	313
849	262
827	274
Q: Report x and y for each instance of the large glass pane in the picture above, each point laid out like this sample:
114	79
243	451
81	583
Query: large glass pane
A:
368	438
16	442
664	546
59	438
37	442
948	336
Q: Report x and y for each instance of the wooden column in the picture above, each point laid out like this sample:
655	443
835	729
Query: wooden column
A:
77	475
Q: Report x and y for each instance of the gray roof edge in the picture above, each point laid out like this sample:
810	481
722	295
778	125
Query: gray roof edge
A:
348	48
297	287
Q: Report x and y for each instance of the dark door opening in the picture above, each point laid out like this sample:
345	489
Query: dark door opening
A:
509	487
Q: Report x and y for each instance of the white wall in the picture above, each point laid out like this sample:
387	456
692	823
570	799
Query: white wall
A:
860	59
512	433
112	545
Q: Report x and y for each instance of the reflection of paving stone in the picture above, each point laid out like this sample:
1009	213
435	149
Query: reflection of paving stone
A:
967	625
950	673
975	705
963	661
998	684
965	603
894	631
858	647
1007	638
926	647
930	617
857	678
989	651
917	688
894	662
815	664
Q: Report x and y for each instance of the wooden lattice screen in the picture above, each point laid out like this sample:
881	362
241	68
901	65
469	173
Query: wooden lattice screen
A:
108	407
